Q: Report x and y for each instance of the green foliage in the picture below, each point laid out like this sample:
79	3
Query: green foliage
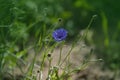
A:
6	14
25	22
107	42
110	50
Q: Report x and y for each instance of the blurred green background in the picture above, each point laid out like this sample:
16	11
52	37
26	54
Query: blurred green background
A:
21	21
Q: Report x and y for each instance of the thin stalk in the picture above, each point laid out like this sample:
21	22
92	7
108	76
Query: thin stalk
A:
90	23
79	38
30	70
61	47
43	60
60	56
67	55
45	54
84	64
49	71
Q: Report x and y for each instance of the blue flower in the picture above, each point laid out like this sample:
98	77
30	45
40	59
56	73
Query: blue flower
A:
59	34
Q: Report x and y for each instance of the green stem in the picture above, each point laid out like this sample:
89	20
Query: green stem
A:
79	38
67	55
43	60
49	71
45	54
61	47
60	56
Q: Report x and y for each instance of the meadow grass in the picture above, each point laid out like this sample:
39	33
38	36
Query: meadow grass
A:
46	43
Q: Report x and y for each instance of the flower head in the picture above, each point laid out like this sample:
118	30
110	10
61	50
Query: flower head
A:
59	34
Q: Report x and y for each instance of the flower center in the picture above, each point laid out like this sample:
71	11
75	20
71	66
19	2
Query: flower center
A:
60	36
